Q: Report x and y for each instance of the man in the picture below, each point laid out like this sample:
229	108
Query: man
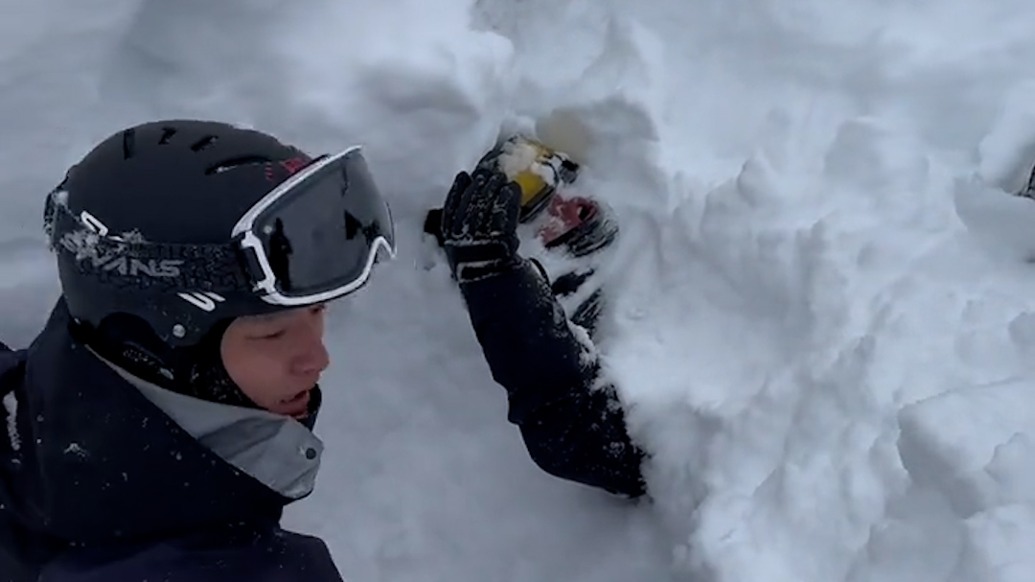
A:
572	427
160	422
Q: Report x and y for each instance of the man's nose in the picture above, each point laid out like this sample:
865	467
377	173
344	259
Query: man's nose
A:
312	357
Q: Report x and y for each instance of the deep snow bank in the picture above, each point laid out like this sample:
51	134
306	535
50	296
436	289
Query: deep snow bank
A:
809	324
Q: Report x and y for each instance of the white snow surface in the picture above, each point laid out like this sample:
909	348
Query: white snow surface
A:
823	314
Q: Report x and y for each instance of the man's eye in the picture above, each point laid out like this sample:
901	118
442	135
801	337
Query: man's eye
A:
271	335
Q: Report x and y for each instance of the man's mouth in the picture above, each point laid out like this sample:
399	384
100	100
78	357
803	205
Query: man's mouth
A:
296	406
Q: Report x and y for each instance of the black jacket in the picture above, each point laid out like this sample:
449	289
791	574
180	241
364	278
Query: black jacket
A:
96	483
571	428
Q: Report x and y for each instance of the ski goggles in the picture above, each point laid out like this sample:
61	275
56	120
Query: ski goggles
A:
313	238
317	236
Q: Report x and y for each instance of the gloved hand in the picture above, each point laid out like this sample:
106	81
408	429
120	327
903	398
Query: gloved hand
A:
479	225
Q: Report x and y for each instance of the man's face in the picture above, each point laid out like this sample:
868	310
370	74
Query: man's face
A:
277	359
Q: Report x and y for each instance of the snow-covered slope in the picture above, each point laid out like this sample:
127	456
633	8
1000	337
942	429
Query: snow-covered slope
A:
823	317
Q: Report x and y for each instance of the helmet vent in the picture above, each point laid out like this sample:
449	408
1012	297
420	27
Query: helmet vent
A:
232	163
167	133
128	143
203	143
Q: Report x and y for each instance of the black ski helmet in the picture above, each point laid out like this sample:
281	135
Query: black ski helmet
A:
174	182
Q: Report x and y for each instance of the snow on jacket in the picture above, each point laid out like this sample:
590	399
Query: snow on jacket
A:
570	419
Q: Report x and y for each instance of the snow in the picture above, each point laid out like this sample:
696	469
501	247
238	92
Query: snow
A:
11	413
822	319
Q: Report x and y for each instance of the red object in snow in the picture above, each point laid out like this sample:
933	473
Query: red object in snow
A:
565	215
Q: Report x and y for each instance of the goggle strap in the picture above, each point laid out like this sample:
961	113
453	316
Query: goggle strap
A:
123	262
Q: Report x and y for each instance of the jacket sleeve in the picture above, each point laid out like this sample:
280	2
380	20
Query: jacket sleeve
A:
277	556
572	428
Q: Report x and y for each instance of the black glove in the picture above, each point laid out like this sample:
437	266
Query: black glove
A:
479	225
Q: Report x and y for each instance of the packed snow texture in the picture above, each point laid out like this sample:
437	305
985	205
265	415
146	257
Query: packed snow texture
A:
821	314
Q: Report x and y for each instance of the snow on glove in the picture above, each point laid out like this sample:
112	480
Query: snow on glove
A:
479	225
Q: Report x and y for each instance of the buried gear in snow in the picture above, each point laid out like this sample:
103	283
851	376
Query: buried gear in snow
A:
570	226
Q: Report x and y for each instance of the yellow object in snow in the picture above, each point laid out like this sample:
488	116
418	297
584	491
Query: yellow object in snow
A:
536	169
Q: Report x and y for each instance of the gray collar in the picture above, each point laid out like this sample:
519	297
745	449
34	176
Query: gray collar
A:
278	451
